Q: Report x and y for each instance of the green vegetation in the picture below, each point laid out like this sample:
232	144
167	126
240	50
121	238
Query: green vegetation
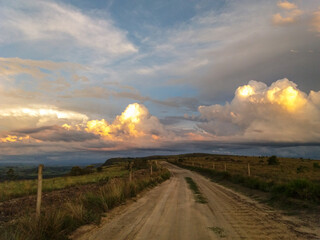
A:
302	169
12	189
219	231
10	174
282	173
316	165
194	187
273	160
57	224
30	172
283	178
77	171
302	189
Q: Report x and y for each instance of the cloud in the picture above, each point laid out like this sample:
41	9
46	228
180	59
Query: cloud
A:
49	21
291	15
316	21
134	122
15	66
278	113
58	134
133	128
13	138
287	5
232	49
37	116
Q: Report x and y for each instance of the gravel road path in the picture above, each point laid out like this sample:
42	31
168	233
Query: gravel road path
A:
170	212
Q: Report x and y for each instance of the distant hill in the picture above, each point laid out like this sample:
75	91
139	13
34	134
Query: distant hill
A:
31	172
112	161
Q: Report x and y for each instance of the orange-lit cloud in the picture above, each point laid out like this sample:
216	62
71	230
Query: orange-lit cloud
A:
12	139
286	5
291	14
316	21
280	112
282	93
135	127
134	122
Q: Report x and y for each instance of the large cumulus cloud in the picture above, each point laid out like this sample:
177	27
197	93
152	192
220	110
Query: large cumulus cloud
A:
135	127
278	113
134	122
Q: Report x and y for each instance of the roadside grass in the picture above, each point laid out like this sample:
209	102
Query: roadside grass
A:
301	189
19	188
286	170
59	223
197	194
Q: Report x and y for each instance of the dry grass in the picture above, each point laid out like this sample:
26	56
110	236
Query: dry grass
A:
288	169
288	179
197	194
56	223
12	189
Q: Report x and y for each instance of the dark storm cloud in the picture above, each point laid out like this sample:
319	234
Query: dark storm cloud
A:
291	53
36	130
62	135
56	134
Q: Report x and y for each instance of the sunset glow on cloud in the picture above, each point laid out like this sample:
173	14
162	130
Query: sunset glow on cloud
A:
134	122
90	79
280	112
292	13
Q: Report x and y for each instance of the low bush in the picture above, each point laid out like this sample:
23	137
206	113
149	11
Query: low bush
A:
316	165
300	189
301	169
273	160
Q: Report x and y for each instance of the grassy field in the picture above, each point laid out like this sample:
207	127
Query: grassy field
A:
31	172
95	194
18	188
287	178
57	223
287	170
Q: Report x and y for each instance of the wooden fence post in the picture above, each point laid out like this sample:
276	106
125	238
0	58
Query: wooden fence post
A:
192	163
130	173
150	168
225	167
39	193
213	166
249	172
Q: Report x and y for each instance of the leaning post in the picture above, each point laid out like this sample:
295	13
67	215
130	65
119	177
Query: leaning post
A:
249	171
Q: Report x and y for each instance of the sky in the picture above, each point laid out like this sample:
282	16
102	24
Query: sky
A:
83	81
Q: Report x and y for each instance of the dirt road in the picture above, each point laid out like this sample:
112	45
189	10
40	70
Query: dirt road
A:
169	212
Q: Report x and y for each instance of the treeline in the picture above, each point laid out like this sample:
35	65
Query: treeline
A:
77	171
